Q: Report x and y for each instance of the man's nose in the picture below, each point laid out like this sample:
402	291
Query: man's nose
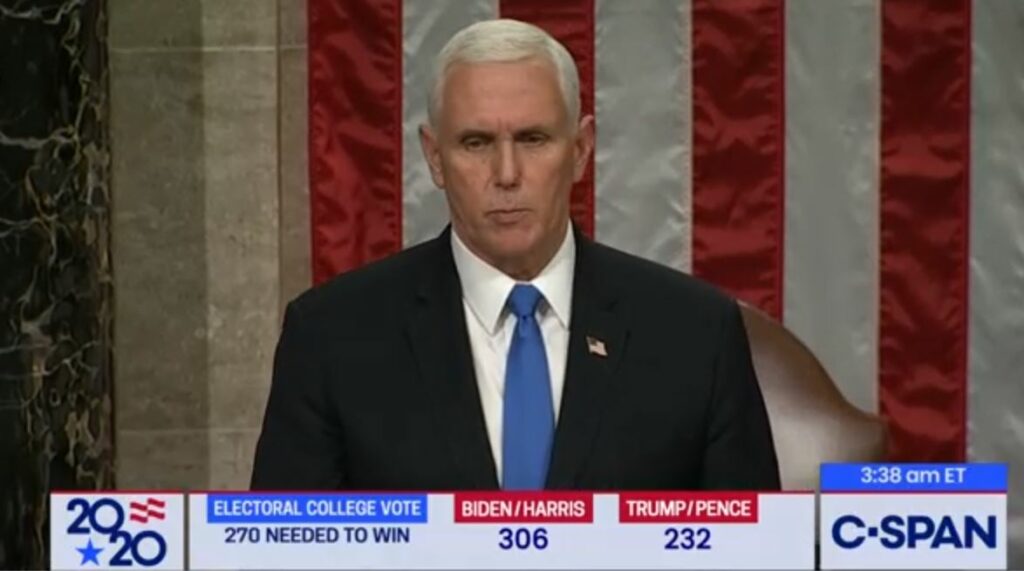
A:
507	168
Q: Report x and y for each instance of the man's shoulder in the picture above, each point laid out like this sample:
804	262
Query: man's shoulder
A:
378	290
646	281
670	312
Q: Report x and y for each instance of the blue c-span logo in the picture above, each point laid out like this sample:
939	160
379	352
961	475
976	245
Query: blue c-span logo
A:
116	530
917	531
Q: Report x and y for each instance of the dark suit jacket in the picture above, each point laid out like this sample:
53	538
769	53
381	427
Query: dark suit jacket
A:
374	386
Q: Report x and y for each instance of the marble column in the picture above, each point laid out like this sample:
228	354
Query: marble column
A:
55	269
296	265
194	134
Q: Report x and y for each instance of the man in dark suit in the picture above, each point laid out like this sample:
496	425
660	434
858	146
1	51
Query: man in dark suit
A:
511	351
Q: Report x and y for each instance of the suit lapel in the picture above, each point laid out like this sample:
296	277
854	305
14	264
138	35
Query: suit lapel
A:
597	327
437	333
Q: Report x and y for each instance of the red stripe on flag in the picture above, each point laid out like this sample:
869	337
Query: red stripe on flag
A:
924	227
738	148
355	133
572	23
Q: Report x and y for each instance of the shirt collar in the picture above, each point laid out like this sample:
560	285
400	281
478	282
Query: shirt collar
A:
486	288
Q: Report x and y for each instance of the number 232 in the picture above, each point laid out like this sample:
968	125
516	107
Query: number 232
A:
688	538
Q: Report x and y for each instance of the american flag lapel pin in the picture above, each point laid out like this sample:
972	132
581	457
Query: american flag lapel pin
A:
596	347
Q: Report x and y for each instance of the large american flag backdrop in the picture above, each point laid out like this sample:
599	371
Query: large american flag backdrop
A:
853	167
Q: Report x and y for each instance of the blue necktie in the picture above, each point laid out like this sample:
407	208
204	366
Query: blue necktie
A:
528	424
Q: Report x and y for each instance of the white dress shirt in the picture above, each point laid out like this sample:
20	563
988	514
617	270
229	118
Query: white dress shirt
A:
490	325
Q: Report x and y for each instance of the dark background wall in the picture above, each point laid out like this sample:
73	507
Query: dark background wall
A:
156	149
56	421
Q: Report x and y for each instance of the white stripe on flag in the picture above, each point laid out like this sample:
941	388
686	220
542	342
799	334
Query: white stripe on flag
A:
642	103
426	26
996	332
831	237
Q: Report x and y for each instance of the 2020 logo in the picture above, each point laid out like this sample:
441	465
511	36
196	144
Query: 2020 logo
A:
106	517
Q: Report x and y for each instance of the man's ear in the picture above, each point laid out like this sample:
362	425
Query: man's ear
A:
432	154
583	146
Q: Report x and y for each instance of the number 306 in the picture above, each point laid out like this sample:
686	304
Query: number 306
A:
523	538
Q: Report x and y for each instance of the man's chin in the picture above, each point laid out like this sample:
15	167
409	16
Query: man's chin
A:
513	241
510	249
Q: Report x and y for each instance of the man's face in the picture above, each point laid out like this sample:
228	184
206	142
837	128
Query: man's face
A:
506	154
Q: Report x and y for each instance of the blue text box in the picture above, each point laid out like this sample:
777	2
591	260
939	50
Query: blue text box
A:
316	508
893	477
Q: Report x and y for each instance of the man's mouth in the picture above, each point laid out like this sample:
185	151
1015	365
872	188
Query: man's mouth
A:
507	215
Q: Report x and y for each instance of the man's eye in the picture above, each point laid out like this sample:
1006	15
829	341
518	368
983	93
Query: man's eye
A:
534	139
474	143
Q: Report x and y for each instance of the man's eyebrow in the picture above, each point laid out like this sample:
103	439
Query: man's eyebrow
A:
467	133
533	129
485	134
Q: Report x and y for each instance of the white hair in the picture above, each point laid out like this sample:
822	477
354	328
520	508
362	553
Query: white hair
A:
505	40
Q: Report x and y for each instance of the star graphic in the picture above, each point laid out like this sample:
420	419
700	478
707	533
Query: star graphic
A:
89	553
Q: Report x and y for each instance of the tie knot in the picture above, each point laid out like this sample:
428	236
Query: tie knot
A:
523	300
